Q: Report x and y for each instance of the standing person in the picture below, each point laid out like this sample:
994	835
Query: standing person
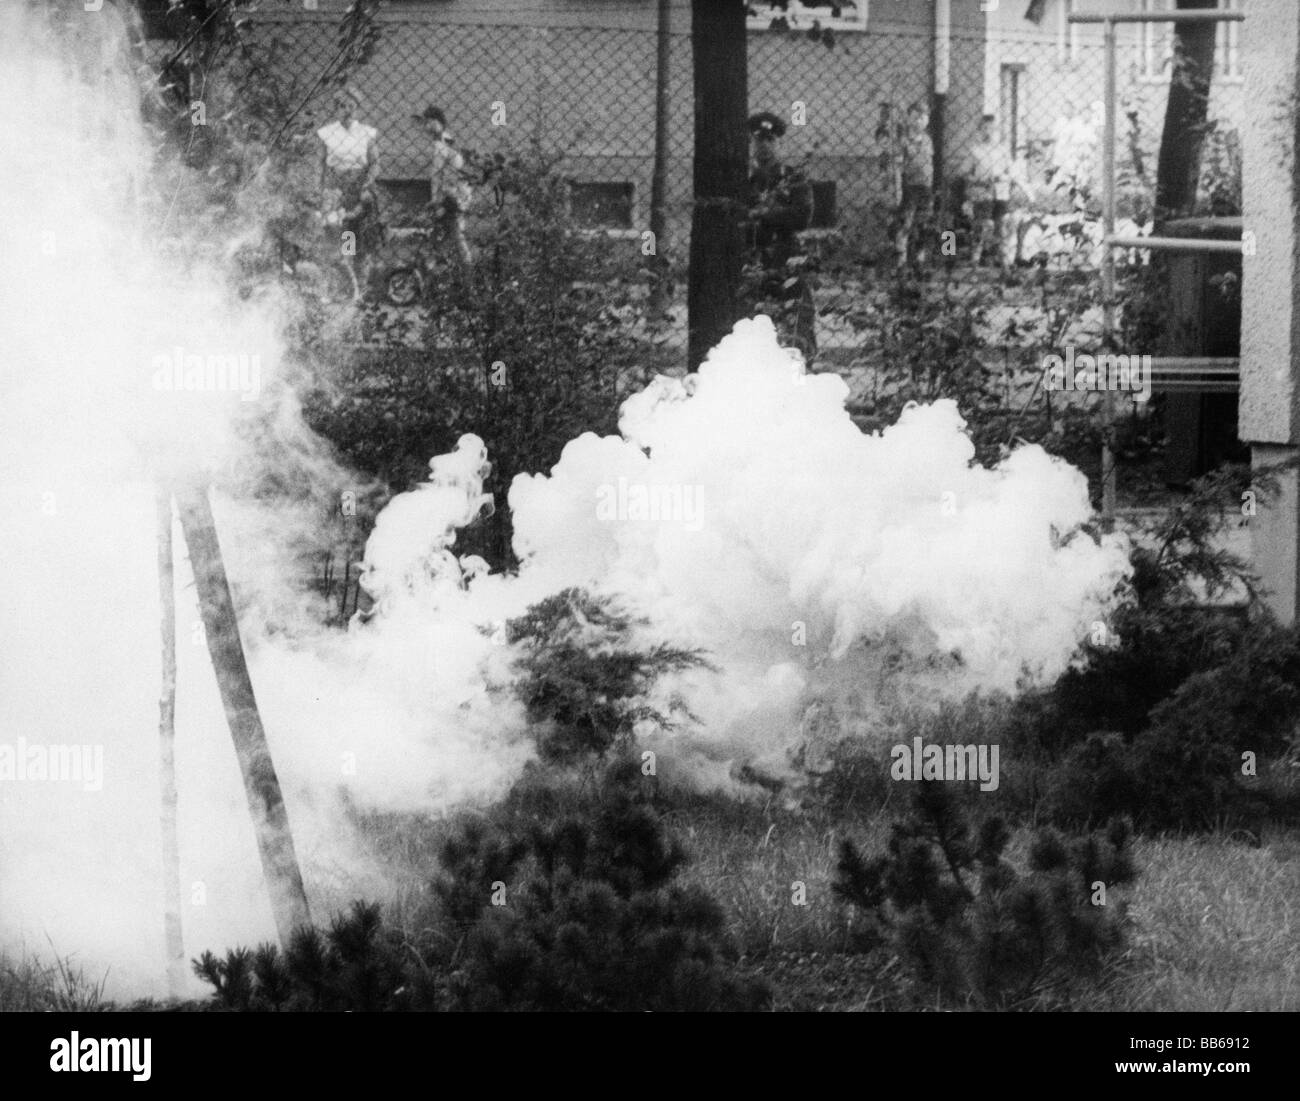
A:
1019	212
780	204
349	171
918	187
988	190
1074	155
449	191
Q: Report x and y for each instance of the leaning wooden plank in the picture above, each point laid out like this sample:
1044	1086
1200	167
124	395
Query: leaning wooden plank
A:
265	800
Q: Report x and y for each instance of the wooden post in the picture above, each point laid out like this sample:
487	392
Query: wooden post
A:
265	800
171	855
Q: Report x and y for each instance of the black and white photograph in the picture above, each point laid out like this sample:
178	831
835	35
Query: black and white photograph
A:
649	506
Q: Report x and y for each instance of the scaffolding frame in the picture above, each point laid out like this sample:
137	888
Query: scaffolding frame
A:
1221	374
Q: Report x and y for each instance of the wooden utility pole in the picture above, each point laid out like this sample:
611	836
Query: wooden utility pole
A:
171	854
265	800
659	173
720	64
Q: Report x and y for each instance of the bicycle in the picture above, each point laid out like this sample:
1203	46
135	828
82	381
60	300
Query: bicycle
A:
421	258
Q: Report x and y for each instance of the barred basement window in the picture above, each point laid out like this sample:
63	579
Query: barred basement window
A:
601	205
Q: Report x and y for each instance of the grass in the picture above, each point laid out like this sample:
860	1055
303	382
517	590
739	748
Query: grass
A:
1217	925
1215	918
30	985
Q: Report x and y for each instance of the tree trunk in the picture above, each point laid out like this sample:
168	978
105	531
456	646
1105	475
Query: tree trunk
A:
721	69
1179	168
270	820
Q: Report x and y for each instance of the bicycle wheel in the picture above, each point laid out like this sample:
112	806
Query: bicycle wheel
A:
403	286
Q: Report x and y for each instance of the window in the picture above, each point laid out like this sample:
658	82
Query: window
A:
792	15
1156	44
1011	108
601	205
1228	45
1068	40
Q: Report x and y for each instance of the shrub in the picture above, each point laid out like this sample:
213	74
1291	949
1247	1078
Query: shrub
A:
1190	757
357	965
579	911
1155	726
1164	632
967	925
532	346
584	679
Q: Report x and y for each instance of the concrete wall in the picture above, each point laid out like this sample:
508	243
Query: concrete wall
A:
1270	330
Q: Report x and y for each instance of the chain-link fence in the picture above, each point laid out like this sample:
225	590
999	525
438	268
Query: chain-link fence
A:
588	94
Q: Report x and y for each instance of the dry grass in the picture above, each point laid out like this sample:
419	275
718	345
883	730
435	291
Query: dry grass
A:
1217	926
1215	919
753	859
29	985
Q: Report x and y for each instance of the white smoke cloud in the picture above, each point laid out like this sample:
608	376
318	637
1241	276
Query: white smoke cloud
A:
821	549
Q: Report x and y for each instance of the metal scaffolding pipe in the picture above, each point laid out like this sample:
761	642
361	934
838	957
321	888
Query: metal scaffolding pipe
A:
1162	17
1201	364
1172	244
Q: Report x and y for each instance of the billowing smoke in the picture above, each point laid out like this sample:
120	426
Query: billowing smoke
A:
740	510
746	513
